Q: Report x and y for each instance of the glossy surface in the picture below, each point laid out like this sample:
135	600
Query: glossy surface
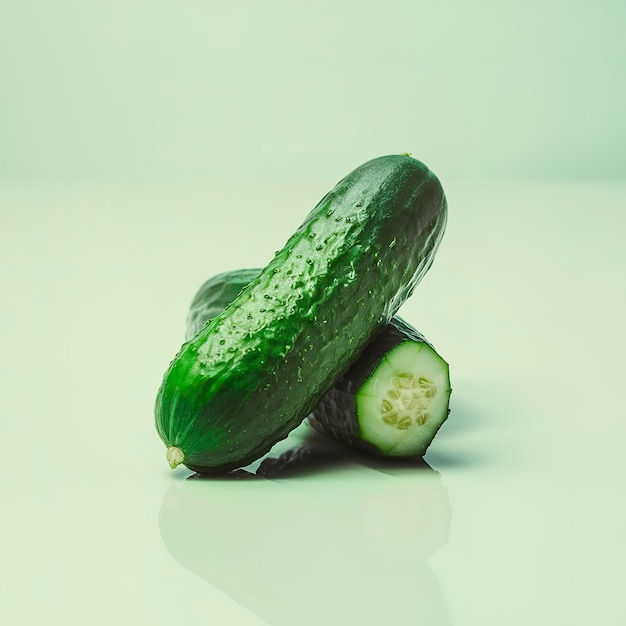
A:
520	520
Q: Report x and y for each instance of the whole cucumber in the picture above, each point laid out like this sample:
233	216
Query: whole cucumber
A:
253	373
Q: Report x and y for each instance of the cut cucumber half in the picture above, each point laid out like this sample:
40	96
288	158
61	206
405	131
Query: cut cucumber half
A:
393	399
402	405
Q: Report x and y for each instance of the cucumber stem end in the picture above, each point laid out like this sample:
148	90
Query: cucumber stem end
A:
174	456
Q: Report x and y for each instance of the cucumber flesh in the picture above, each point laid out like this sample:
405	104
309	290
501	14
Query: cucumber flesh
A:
392	400
401	406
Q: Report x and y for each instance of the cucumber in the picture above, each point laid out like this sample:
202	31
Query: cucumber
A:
391	401
255	371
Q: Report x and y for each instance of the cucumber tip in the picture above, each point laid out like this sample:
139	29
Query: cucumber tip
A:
174	456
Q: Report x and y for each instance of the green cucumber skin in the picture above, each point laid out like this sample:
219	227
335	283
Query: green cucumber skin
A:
254	372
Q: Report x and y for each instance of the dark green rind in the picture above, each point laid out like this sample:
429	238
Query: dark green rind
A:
253	373
336	413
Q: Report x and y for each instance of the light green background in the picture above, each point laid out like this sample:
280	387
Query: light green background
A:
178	89
122	128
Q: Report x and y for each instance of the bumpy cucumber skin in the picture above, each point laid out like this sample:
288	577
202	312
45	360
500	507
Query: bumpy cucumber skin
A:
336	413
253	373
214	296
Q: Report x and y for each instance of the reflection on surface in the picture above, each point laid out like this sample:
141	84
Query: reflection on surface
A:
297	544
